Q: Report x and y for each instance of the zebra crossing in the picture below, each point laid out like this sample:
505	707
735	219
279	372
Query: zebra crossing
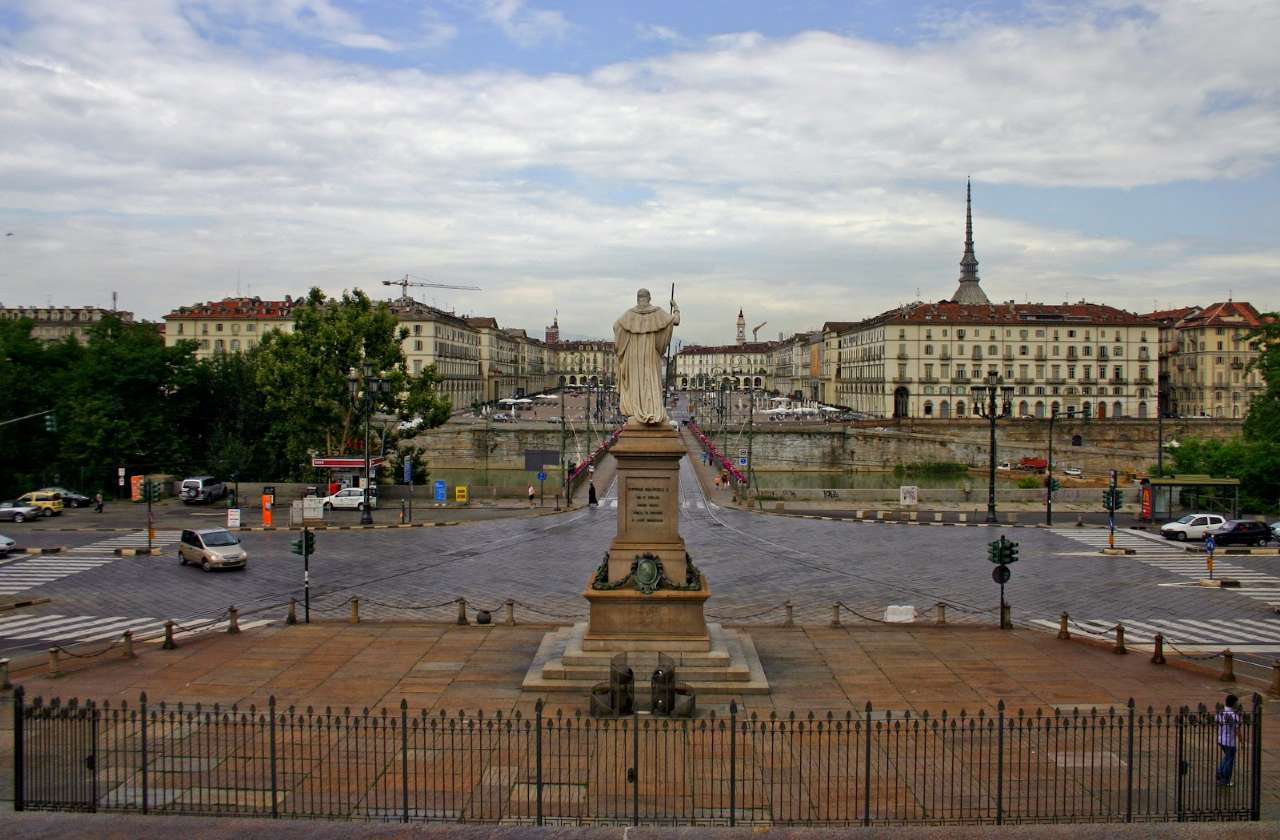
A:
40	569
1207	635
25	629
1261	586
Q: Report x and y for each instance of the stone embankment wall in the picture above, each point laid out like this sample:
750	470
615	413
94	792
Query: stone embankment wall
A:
1126	445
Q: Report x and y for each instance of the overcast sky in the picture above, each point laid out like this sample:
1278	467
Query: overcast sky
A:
803	160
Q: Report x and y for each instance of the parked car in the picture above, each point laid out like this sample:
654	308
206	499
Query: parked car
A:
6	545
49	503
70	498
1242	532
350	498
16	511
1074	472
1193	526
212	548
1275	531
202	488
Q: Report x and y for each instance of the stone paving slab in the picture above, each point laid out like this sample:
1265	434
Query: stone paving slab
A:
436	667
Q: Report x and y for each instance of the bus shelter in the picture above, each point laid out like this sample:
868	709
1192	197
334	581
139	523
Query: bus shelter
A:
1173	495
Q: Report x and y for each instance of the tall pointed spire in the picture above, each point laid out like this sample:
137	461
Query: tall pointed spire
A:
969	290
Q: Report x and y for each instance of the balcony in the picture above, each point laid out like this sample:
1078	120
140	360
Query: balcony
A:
1144	380
1007	356
1040	355
961	378
1237	365
929	380
946	353
902	354
1024	380
1056	380
903	380
1118	380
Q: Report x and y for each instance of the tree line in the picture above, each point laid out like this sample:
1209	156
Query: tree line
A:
124	399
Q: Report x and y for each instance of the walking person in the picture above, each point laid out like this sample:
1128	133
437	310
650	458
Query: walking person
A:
97	502
1228	724
531	494
591	494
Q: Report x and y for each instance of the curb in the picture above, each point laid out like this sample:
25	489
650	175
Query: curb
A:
347	527
877	517
131	552
56	550
17	605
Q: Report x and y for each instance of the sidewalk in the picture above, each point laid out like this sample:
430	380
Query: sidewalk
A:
445	667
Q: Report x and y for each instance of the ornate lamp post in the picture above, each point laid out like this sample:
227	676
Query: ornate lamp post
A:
1049	480
986	404
372	386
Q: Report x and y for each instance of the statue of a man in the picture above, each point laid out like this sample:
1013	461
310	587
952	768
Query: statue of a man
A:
641	336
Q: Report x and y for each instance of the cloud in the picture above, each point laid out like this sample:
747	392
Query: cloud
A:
523	24
805	178
657	32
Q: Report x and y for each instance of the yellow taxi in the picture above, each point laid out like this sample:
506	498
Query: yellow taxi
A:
50	503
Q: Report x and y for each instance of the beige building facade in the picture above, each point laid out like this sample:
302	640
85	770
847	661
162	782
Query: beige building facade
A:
58	323
743	366
590	362
231	325
1207	357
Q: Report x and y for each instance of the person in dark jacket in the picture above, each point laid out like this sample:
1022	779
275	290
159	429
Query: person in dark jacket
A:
591	494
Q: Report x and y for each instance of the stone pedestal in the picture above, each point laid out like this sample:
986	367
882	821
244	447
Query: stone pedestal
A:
648	481
665	620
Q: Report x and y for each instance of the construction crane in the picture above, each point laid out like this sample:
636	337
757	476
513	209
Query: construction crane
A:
406	283
755	332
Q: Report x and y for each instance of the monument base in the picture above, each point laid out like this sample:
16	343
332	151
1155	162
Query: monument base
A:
568	661
666	616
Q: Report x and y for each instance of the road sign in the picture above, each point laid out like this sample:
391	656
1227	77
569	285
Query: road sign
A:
408	471
908	495
542	475
441	491
742	453
1001	574
742	462
460	493
233	517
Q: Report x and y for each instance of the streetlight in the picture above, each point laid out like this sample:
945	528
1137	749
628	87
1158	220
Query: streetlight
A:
1048	481
373	385
993	410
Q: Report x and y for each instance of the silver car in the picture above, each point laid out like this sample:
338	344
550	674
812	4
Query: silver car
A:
6	545
212	548
16	511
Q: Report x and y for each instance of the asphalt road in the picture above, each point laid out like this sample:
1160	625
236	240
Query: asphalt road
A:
754	562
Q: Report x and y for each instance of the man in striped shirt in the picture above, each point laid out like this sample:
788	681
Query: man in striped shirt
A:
1228	722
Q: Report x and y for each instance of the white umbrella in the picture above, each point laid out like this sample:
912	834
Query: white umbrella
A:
524	401
507	401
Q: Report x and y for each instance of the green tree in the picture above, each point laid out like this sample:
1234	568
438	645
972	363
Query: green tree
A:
304	378
33	376
1263	420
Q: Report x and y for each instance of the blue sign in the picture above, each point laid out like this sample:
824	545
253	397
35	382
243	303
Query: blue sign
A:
542	475
442	494
408	471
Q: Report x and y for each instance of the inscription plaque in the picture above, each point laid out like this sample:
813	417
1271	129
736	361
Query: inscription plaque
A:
646	501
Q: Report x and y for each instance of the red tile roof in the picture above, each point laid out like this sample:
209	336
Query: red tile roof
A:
1233	313
483	321
1011	313
1172	314
243	308
749	347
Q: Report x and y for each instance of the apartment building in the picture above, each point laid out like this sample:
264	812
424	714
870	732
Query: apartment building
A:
743	365
1207	359
58	323
230	325
440	338
590	362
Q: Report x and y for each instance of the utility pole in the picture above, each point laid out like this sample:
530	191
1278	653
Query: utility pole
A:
1048	479
751	429
564	466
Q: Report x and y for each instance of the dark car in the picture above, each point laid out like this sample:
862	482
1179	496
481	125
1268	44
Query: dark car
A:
1242	532
70	498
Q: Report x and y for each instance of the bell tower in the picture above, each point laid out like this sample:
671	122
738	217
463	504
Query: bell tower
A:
742	329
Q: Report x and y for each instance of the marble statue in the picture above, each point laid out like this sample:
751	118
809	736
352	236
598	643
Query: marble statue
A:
641	336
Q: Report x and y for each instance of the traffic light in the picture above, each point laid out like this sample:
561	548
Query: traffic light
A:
1002	551
1112	498
305	544
51	422
1010	552
310	538
297	546
150	491
1054	485
993	551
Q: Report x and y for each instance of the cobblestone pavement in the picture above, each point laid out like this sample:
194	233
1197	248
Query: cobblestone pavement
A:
754	563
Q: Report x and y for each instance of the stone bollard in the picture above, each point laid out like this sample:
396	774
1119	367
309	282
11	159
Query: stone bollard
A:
462	611
1228	667
54	670
511	613
355	610
1063	631
5	685
127	638
942	613
1006	616
292	618
835	614
233	620
168	636
789	620
1157	656
1119	648
1275	675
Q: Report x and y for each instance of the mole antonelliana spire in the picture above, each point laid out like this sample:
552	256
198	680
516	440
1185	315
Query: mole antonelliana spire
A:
969	290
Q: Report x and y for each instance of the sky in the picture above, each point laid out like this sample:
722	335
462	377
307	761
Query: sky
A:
804	161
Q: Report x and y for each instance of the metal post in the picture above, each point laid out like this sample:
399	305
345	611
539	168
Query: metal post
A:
1128	803
19	745
1255	780
635	759
366	515
537	712
142	715
733	762
146	484
462	611
404	760
275	804
1181	767
1159	435
1048	481
866	769
233	620
1000	763
511	612
127	639
1157	656
306	579
991	475
355	610
1063	632
564	467
169	644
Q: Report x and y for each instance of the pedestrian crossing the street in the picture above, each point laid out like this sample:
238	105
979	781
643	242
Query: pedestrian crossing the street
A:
1261	586
24	629
1207	635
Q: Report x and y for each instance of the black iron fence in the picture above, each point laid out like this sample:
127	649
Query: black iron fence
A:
866	767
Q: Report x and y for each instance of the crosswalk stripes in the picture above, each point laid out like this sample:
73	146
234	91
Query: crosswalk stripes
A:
68	629
133	539
1190	635
41	569
1258	585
